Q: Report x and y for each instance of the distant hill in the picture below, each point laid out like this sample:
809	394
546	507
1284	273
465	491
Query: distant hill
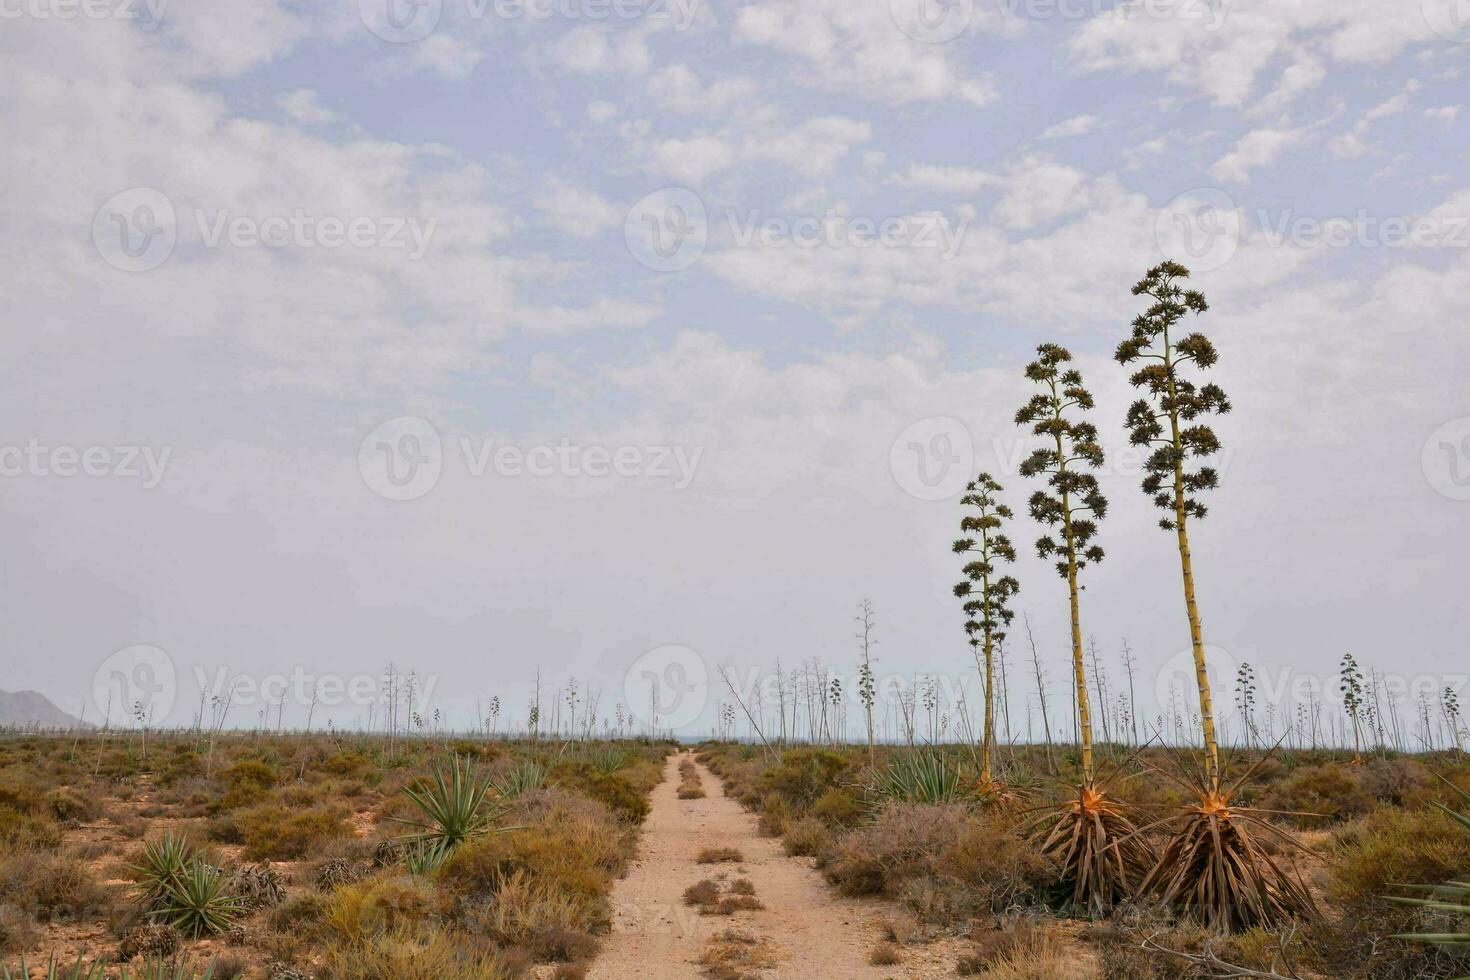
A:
32	708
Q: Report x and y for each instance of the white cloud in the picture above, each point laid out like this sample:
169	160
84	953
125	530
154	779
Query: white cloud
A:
1075	126
577	211
1444	115
857	47
302	105
1256	149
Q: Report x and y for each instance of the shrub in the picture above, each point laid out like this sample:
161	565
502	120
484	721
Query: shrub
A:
536	916
276	833
49	886
803	775
806	837
25	831
885	954
358	913
420	955
1333	790
1391	846
18	931
838	808
719	855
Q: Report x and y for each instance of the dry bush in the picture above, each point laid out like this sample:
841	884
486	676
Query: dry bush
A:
945	862
775	815
806	837
48	886
705	892
719	855
737	955
839	808
421	955
1036	954
534	915
570	841
357	913
274	832
742	886
1334	791
1391	846
885	954
18	931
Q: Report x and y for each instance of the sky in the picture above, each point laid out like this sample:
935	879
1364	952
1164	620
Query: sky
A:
631	338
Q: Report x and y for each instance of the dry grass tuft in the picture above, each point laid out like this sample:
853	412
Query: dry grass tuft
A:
720	855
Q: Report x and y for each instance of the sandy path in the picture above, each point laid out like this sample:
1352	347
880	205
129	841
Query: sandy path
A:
656	937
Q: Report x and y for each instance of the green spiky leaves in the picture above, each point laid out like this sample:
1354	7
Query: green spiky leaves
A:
986	592
1074	504
1165	421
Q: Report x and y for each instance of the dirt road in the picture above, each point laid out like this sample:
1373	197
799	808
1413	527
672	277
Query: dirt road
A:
655	936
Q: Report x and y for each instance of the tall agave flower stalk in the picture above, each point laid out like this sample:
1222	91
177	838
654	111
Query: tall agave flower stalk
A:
1099	851
987	612
1211	868
1168	422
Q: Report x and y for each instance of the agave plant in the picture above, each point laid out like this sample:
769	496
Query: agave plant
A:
166	861
925	776
524	777
1213	869
199	903
607	759
1096	848
455	806
1452	896
158	969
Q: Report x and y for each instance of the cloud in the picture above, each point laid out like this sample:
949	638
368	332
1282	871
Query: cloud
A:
858	48
303	106
577	211
1075	126
1256	149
